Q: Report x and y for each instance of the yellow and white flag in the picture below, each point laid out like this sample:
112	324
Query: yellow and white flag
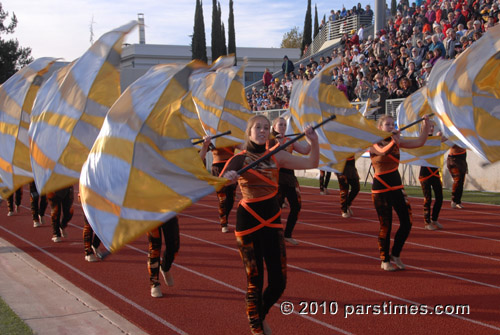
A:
432	152
17	95
143	169
466	95
221	104
349	133
70	109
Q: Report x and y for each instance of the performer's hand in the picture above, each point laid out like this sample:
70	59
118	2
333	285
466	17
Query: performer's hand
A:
206	141
232	176
311	134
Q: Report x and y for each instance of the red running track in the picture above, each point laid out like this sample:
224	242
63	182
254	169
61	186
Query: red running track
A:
333	272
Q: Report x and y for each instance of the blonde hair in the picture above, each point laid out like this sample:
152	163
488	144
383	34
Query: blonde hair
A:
275	121
382	119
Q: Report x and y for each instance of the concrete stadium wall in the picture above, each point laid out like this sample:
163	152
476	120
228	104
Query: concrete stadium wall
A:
479	178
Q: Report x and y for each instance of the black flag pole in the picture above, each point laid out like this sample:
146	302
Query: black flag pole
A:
415	122
283	146
215	136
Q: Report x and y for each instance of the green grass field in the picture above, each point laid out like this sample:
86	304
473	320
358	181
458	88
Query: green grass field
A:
10	323
414	191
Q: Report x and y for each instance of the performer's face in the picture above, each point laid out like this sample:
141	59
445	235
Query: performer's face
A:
387	125
259	133
280	127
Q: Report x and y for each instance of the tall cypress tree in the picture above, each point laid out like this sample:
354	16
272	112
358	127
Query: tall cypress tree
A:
216	48
316	24
223	48
198	42
306	38
231	43
223	39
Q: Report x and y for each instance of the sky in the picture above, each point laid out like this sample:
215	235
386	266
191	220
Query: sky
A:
62	28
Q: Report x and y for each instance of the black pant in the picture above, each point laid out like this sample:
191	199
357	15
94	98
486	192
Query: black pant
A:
18	197
346	197
61	202
170	232
384	203
38	202
292	193
264	245
433	183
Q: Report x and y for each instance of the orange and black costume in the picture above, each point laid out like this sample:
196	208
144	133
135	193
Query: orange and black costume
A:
90	240
388	193
38	202
170	232
289	189
227	194
15	198
61	209
259	232
457	165
431	180
348	178
324	179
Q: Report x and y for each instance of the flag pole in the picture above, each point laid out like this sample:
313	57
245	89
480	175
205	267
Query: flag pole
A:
215	136
415	122
281	147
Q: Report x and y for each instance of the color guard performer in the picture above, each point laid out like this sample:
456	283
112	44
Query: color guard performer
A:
259	232
388	190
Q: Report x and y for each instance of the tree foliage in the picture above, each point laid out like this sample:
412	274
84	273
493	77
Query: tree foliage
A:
231	43
394	7
12	56
292	39
316	24
223	39
216	31
198	42
307	32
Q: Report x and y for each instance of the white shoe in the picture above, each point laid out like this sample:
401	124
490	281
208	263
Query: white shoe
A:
429	226
225	229
10	213
156	292
397	261
36	224
346	215
91	258
265	327
167	276
291	240
41	218
387	266
437	225
97	252
322	192
454	205
56	239
349	210
63	232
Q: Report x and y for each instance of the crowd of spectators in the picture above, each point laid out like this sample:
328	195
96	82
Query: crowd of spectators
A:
396	61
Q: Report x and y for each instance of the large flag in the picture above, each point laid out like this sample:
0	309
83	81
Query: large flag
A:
432	153
465	94
349	133
220	101
143	169
70	109
17	95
